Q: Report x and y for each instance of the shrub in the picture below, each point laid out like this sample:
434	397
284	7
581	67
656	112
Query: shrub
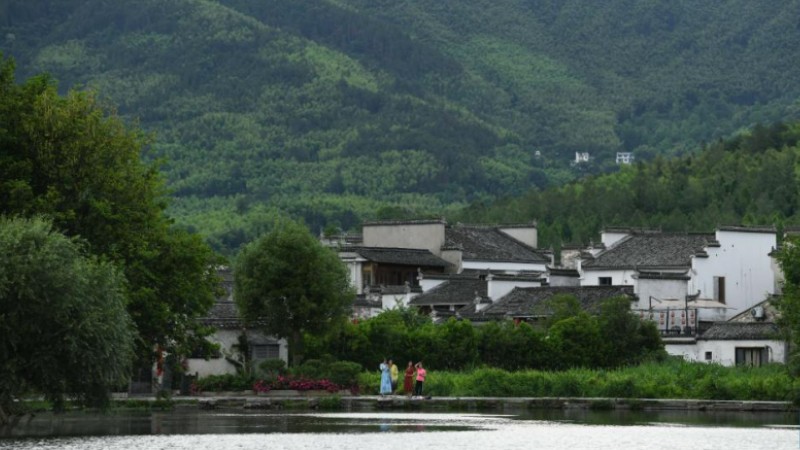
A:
344	373
227	382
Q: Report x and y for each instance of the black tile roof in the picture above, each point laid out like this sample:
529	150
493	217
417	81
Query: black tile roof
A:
455	291
490	244
742	331
681	276
400	256
651	250
532	301
224	314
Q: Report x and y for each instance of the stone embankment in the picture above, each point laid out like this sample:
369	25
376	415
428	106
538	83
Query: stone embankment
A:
497	404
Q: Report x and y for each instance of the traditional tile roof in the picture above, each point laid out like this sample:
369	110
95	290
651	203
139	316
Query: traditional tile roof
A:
680	276
532	301
367	301
400	256
484	243
224	314
563	272
651	250
455	291
742	331
748	229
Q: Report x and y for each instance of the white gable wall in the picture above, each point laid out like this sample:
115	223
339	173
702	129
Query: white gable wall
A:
497	289
658	290
743	260
414	235
609	238
623	277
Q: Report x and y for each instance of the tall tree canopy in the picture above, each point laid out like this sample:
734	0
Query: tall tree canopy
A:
64	329
289	283
789	303
68	158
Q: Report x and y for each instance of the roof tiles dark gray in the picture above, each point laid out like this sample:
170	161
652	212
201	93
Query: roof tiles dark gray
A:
532	301
490	244
742	331
456	291
401	256
651	250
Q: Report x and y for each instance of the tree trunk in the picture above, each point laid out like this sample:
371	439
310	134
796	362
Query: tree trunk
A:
296	348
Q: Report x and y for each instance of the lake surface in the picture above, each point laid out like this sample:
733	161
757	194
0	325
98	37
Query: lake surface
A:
199	430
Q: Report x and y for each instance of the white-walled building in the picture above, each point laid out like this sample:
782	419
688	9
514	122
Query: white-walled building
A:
233	338
719	275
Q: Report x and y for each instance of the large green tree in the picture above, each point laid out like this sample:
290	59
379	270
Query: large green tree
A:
69	158
290	284
789	303
64	330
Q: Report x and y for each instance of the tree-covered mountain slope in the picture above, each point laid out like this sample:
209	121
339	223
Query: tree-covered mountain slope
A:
340	110
751	179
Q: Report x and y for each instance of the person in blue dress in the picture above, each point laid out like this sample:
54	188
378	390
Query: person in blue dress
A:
386	378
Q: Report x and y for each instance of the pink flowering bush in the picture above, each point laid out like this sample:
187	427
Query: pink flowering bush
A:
296	384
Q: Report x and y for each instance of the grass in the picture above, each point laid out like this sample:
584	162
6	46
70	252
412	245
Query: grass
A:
672	379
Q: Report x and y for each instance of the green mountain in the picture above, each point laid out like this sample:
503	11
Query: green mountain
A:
752	179
341	110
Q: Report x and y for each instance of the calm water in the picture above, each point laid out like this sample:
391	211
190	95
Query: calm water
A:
395	431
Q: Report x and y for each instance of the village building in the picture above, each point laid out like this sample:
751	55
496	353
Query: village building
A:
235	341
717	275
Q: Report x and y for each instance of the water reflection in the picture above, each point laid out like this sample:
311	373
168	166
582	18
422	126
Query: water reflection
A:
198	430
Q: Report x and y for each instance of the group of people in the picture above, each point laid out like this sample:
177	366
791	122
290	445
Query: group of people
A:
390	375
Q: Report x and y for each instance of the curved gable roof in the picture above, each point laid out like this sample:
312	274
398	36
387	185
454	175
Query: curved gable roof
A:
490	244
651	250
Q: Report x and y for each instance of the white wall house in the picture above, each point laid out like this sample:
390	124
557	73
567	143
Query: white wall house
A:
736	270
230	330
727	271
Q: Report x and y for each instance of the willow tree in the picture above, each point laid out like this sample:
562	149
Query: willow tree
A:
290	284
64	330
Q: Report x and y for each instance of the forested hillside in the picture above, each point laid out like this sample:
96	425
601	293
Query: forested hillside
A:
341	110
751	179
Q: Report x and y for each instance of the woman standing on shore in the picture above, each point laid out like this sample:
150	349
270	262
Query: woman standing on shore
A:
408	381
386	379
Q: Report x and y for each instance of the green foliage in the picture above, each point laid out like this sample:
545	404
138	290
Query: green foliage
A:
789	303
64	331
290	284
227	382
670	379
67	158
332	111
614	338
750	179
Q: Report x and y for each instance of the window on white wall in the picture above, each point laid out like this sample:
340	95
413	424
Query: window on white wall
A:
708	356
751	356
719	289
604	281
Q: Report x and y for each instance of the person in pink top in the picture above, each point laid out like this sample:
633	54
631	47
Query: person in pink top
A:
421	373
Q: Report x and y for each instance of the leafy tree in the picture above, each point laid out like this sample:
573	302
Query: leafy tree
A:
789	303
626	338
290	284
66	157
64	330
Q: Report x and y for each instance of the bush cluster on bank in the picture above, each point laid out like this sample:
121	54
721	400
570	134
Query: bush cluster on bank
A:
313	375
570	337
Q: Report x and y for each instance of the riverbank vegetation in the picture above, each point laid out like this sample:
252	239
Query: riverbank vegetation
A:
570	338
670	379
